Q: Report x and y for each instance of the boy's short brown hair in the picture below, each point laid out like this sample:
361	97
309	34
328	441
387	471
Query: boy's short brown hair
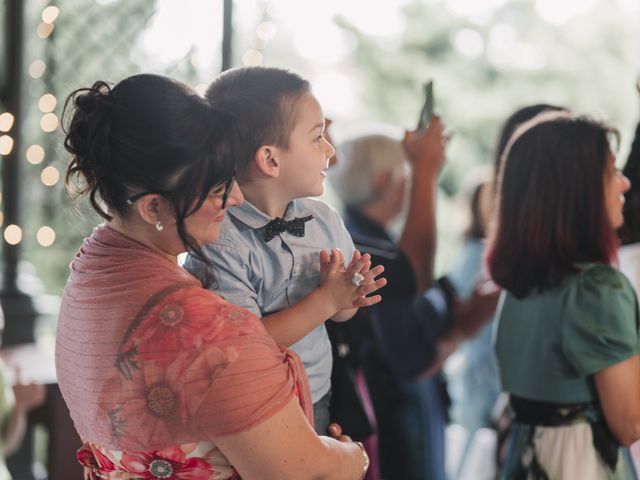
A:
262	99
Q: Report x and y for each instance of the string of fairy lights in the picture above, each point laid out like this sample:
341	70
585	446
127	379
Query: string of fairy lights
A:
35	154
264	33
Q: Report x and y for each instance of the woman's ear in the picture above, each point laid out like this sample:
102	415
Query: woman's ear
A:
148	207
266	160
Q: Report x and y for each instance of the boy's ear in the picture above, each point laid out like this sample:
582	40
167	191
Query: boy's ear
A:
267	162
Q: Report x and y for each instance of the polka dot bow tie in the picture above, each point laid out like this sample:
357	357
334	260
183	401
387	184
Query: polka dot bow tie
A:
279	225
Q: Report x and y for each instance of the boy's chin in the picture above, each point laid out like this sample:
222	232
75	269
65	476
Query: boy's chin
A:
318	191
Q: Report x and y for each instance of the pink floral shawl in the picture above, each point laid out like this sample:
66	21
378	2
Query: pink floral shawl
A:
147	358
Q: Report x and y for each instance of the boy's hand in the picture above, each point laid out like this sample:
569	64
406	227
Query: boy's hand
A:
334	430
338	283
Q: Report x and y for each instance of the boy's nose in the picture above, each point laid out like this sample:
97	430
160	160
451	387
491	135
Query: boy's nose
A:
329	150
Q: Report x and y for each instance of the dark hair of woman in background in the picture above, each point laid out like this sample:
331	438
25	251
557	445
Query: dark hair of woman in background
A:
567	338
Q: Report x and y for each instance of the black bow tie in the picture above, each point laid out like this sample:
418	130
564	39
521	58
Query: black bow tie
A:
279	225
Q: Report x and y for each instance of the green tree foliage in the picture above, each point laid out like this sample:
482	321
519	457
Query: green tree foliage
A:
588	64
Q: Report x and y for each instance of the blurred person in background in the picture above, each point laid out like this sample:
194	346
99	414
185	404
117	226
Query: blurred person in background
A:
629	253
403	340
15	403
474	378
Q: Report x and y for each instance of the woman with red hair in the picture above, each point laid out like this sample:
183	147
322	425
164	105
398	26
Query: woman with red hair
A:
567	339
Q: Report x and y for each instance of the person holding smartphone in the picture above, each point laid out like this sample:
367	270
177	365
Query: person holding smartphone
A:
404	339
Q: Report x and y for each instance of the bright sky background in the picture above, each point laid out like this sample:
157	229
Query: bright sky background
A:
199	22
195	26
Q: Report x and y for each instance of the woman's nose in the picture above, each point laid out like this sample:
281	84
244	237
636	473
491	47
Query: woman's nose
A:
235	196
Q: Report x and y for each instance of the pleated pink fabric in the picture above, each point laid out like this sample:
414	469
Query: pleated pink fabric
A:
147	358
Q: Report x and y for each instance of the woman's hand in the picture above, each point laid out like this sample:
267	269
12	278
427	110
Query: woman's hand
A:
338	282
297	453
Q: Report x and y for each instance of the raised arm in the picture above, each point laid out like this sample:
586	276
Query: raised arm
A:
425	149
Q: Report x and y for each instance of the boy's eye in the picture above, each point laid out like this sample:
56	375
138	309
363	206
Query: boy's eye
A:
319	137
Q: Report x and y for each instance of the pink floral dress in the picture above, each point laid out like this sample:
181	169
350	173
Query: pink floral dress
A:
152	376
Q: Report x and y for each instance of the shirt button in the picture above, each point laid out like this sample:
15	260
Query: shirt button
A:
296	269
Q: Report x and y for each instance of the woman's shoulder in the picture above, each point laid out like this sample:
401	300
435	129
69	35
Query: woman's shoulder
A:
187	319
601	277
600	325
190	305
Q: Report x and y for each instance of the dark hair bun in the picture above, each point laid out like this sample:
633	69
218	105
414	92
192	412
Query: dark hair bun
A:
87	135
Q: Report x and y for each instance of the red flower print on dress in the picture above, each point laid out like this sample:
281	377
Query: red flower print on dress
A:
166	464
91	457
180	323
160	400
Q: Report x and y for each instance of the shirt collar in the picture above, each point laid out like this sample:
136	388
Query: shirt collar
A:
358	223
248	214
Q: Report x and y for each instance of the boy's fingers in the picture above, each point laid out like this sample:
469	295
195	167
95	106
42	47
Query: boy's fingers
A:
336	260
361	265
367	301
372	286
324	257
334	430
372	273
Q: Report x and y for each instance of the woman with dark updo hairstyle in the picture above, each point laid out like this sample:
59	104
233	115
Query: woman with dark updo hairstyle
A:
566	339
163	378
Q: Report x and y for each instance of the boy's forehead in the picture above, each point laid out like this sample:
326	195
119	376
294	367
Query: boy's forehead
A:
308	111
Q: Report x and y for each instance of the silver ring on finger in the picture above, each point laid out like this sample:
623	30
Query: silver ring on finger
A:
357	279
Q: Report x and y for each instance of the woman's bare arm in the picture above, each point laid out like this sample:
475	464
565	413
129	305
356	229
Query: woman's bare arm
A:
286	447
619	391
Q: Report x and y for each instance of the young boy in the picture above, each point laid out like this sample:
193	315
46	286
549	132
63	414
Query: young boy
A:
266	259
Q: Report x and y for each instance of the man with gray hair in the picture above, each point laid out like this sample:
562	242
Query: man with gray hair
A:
402	341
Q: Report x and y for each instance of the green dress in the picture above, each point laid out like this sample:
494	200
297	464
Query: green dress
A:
548	347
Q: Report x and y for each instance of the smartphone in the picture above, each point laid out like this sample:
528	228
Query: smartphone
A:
427	108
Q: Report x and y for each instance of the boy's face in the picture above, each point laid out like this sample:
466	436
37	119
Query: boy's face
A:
304	164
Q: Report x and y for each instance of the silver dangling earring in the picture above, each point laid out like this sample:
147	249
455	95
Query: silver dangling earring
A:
159	226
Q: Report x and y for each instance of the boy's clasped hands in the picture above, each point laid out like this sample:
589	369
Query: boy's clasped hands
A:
348	287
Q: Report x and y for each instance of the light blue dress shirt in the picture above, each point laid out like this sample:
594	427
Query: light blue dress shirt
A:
265	277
